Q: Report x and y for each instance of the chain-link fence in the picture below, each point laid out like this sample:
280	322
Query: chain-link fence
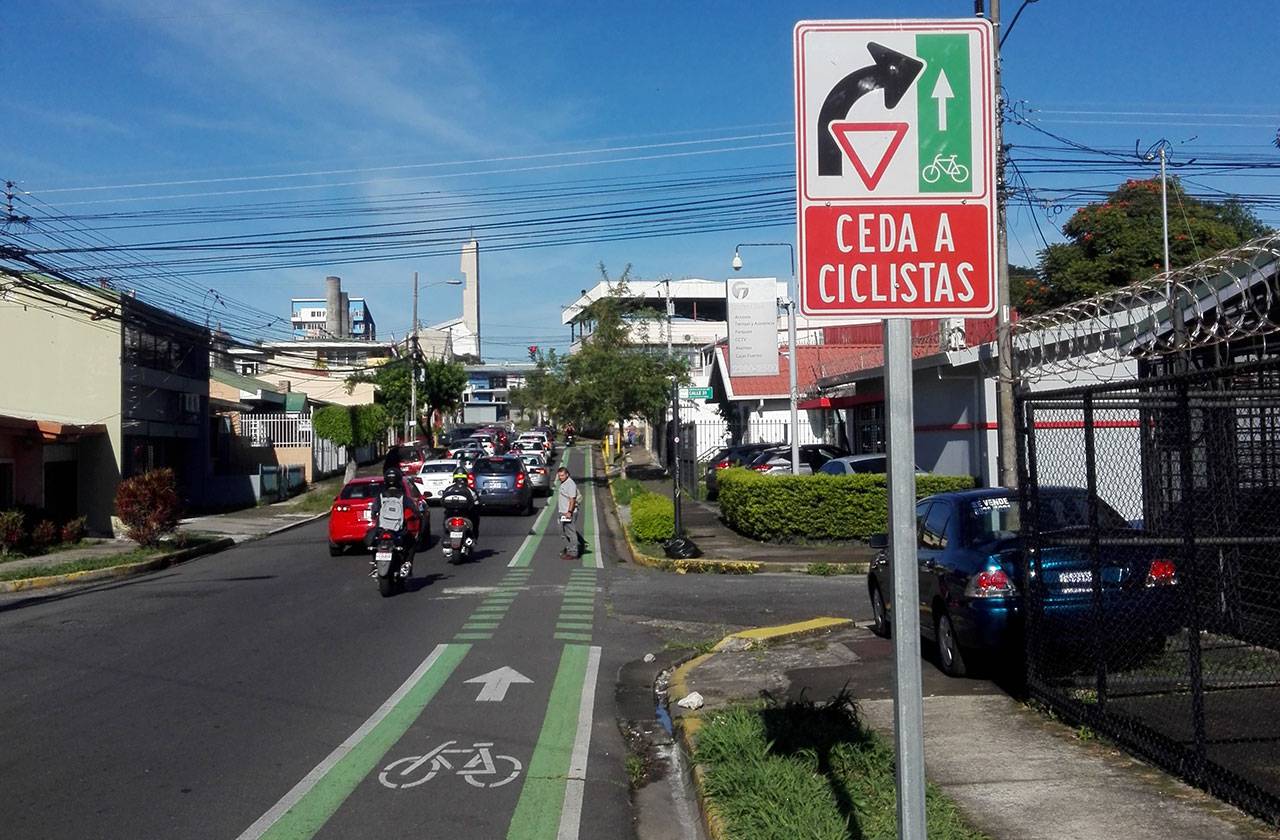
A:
1151	522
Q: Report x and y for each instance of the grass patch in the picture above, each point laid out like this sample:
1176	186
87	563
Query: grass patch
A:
808	770
636	770
696	646
625	489
830	569
89	564
319	499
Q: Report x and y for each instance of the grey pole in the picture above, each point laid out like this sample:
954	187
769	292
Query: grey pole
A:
791	373
413	367
1164	209
1008	442
908	713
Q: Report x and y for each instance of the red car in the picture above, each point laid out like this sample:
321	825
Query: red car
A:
350	517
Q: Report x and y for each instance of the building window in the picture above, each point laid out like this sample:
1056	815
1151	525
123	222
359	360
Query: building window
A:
497	381
868	428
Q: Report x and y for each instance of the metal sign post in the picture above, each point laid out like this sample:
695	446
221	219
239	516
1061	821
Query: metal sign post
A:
908	711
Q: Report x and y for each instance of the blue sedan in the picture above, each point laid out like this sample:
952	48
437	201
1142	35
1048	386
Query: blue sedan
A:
970	563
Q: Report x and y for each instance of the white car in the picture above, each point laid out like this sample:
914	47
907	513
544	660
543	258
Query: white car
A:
534	442
433	478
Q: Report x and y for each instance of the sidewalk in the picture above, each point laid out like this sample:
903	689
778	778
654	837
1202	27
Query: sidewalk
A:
1015	774
242	525
718	541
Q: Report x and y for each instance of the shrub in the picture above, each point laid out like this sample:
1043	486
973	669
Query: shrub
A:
653	517
626	489
825	507
148	505
73	530
44	534
11	533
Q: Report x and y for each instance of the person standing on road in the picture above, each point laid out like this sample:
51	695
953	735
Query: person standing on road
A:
569	502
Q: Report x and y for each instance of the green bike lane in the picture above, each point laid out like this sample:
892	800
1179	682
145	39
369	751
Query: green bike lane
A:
500	731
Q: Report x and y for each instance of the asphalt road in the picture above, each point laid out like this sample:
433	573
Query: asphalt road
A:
269	691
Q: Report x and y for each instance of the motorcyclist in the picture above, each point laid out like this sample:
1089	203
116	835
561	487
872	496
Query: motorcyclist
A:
569	434
391	508
459	498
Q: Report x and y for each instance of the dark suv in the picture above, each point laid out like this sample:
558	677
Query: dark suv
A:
502	482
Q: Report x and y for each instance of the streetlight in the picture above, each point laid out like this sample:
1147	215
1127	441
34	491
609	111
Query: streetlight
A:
790	304
415	351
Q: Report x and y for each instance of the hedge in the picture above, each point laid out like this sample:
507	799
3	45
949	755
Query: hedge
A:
653	518
821	507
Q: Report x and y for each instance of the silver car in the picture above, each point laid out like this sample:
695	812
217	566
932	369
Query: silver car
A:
539	473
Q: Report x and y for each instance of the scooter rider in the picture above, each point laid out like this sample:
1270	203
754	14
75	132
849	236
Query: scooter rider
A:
461	499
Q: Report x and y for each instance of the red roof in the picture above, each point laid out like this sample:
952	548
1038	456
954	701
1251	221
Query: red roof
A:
814	362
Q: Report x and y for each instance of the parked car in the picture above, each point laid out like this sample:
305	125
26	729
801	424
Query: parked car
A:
539	473
350	517
969	555
502	481
433	477
813	456
738	455
851	464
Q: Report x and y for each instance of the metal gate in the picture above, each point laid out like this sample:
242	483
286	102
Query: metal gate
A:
1150	518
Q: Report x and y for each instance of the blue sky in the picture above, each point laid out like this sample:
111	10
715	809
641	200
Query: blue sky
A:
111	103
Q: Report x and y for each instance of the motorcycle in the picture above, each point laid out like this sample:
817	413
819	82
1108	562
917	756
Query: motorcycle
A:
392	563
568	439
459	533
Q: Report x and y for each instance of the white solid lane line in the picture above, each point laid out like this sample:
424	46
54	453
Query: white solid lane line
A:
571	814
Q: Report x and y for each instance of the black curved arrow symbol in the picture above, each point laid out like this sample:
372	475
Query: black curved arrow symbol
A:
892	72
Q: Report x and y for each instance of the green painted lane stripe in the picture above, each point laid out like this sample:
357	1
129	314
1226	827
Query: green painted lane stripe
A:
305	809
579	599
573	637
473	636
524	556
538	811
573	625
480	625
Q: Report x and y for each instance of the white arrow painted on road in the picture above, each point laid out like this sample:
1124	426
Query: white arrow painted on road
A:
496	684
942	92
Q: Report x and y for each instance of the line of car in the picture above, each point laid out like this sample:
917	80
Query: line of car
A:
504	477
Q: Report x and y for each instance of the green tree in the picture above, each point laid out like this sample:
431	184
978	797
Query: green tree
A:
334	424
440	386
1119	241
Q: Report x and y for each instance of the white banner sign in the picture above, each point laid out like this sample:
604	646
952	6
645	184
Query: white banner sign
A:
753	326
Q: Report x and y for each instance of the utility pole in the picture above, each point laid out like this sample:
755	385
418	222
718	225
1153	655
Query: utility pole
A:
1008	443
675	426
413	367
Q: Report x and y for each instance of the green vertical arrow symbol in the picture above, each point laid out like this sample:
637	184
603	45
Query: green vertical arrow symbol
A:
945	114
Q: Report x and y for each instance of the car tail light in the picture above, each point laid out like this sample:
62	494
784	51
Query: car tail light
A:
456	522
341	508
471	480
539	471
761	467
520	480
990	583
723	465
1162	573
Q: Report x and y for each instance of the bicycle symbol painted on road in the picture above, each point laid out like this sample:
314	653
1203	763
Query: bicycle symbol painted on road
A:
481	770
945	165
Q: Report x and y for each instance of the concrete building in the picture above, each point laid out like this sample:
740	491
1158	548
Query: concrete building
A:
98	386
486	398
334	317
459	337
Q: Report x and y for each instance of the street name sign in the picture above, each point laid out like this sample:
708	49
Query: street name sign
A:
695	393
895	168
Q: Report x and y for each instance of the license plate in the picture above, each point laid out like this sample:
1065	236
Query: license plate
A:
455	535
383	556
495	485
366	516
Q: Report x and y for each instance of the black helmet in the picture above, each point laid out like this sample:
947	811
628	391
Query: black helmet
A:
391	476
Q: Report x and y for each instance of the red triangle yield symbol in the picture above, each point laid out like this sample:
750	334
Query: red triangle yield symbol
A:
841	131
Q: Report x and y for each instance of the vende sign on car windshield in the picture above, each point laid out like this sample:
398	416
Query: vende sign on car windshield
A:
895	166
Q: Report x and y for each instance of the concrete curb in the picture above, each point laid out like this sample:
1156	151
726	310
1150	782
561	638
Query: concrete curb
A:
290	526
124	570
688	724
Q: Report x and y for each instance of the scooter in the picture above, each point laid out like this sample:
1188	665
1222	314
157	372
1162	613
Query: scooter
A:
459	538
392	562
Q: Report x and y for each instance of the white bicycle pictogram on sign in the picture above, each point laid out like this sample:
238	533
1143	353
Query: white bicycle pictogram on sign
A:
945	165
482	765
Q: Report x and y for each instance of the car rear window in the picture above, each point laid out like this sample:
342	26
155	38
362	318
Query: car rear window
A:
438	468
363	490
533	461
498	466
870	465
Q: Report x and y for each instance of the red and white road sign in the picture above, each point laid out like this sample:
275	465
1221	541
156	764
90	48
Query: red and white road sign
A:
895	165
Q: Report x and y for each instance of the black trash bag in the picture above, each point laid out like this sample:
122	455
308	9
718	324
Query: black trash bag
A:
681	548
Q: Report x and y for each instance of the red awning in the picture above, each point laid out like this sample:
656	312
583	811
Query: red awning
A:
840	402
